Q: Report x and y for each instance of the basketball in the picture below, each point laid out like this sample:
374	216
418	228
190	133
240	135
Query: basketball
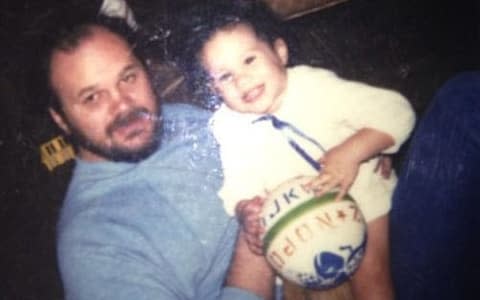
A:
313	241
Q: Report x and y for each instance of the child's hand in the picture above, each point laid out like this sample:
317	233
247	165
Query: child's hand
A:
339	170
247	212
384	166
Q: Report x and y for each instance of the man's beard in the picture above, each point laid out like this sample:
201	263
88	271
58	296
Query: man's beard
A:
119	153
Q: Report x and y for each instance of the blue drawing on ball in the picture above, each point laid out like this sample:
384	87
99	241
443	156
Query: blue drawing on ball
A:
332	269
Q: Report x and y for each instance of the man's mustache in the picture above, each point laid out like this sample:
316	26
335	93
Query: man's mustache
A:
128	117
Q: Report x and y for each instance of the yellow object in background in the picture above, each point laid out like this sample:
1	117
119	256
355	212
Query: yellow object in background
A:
56	152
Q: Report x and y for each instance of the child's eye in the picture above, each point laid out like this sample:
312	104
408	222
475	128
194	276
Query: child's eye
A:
224	77
249	60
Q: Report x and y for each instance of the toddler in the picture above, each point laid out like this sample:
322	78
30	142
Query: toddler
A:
276	123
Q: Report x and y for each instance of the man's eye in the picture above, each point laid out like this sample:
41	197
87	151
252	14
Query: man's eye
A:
91	98
129	77
249	60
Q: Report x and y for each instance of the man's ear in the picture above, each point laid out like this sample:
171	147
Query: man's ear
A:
59	120
281	48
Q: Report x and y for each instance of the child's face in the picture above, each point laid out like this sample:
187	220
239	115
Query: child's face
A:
246	71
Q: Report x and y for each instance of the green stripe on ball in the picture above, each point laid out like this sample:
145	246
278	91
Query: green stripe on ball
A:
297	212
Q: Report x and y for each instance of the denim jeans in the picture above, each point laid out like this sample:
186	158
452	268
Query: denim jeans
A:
435	217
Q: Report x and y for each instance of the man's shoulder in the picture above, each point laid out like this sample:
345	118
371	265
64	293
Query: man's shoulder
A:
173	112
183	121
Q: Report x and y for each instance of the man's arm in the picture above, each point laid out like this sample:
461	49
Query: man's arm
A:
250	272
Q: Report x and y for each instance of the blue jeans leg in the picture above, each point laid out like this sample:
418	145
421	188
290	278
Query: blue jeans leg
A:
435	217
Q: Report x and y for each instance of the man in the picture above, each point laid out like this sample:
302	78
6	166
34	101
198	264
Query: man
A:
141	219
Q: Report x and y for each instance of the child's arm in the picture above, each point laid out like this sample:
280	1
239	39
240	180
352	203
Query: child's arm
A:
340	164
384	166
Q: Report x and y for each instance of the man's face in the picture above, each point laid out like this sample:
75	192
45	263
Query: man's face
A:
107	101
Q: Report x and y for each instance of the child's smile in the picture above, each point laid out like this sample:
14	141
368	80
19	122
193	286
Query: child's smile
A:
253	94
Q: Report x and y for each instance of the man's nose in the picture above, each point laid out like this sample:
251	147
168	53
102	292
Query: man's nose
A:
121	99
